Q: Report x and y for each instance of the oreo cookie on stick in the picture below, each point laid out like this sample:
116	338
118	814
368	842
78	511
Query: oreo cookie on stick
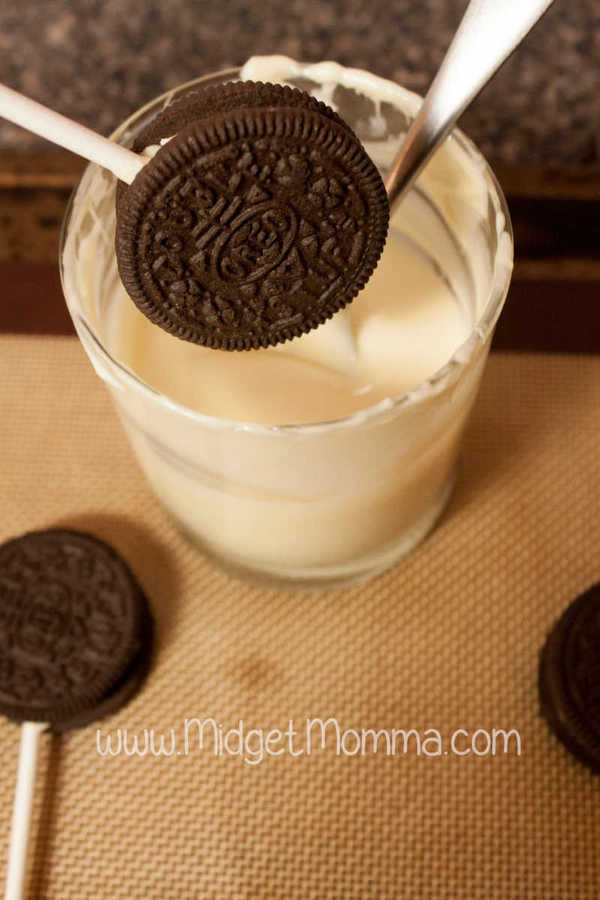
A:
259	219
75	643
75	629
569	678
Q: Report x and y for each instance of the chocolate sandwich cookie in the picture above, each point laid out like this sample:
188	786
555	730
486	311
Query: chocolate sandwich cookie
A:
75	629
255	223
569	678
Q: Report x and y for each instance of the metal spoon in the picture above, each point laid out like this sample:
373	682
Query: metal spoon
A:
489	32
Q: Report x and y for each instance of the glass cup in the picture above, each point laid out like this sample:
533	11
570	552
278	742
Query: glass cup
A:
332	502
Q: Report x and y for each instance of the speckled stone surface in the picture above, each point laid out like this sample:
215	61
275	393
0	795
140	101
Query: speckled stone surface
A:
97	61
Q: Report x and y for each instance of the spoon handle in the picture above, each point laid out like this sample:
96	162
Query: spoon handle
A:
489	31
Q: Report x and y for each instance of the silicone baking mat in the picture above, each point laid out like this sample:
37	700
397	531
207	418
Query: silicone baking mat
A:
448	640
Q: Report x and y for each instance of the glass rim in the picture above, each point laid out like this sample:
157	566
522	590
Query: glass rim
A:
434	384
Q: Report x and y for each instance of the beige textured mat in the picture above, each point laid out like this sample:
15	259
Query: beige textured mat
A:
447	640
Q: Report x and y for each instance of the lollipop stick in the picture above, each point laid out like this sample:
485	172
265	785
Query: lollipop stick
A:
19	836
75	137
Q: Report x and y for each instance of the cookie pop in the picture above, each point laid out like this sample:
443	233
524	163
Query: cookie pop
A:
256	219
75	644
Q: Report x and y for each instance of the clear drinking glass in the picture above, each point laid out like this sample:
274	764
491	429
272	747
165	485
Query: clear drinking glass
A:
310	504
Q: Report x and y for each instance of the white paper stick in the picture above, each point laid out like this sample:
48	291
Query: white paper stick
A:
75	137
19	836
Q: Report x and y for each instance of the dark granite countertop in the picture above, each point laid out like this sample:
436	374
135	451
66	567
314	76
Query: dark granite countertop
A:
97	61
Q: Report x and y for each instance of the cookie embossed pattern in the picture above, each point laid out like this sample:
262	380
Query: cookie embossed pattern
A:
70	622
254	225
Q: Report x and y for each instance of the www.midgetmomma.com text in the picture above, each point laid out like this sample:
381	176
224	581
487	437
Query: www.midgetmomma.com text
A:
254	745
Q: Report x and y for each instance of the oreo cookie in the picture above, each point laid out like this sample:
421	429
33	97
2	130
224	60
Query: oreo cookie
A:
256	222
75	629
569	678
